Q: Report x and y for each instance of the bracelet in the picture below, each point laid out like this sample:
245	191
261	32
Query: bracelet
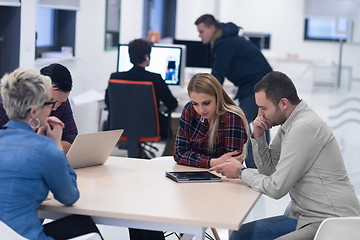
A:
240	171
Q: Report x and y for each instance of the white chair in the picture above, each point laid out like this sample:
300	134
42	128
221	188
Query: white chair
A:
344	228
7	233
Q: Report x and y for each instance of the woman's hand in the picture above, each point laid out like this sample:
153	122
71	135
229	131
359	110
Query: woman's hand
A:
53	129
234	154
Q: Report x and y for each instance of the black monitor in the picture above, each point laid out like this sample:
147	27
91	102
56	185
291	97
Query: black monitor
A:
167	60
197	53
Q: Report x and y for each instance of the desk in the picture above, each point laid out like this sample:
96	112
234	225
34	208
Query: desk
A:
135	193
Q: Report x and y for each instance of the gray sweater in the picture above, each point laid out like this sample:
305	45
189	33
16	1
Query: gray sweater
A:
305	161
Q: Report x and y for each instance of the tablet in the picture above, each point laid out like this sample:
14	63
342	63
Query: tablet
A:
193	176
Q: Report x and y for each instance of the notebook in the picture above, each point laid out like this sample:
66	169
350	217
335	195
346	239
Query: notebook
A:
92	148
193	176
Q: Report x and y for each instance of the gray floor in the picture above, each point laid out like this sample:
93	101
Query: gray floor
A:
339	109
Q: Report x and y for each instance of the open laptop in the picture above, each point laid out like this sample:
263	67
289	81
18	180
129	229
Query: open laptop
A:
92	148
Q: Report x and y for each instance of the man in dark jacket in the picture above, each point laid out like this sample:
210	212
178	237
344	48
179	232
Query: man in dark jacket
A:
238	60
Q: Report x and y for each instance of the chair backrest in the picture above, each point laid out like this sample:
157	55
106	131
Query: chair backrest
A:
133	107
344	228
7	233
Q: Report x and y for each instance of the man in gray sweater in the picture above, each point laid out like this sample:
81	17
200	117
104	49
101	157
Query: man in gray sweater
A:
304	160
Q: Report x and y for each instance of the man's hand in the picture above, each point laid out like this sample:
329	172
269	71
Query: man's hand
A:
229	169
260	125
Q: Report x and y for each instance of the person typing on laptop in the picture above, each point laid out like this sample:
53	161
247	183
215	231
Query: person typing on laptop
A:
61	87
32	161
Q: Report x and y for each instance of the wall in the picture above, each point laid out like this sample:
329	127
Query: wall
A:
282	18
306	62
92	66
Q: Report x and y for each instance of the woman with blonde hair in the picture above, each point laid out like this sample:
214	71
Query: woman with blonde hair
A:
212	127
32	162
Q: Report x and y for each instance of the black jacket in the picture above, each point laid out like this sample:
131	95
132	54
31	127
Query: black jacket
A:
238	60
162	91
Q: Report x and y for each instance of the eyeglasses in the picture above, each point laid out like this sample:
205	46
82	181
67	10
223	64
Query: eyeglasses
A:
51	103
58	103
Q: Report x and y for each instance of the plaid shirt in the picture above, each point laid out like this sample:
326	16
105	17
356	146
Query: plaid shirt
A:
191	147
64	113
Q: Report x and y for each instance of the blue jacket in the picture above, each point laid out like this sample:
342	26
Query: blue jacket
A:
238	60
30	166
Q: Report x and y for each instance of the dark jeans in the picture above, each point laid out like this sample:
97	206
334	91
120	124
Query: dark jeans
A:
140	234
70	227
248	105
265	229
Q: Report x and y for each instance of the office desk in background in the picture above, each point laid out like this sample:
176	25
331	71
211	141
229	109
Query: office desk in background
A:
135	193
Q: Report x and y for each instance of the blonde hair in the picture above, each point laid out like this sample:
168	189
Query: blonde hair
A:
208	84
23	89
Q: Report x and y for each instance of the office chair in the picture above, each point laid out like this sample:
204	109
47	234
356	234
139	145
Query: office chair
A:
9	234
344	228
133	107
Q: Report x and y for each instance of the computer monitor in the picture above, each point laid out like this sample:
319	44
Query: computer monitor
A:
167	60
327	28
197	54
261	40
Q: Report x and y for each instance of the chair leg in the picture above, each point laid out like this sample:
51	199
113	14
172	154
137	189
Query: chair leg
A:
213	230
133	147
215	233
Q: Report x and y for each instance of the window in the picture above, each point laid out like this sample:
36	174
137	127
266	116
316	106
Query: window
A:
112	28
55	26
45	27
159	19
10	18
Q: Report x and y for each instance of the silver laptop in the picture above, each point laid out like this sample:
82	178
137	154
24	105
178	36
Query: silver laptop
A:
92	148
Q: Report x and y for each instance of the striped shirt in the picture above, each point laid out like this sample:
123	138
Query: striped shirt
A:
191	147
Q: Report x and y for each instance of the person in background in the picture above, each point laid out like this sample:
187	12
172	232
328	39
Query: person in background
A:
212	127
237	59
304	160
139	52
61	87
32	162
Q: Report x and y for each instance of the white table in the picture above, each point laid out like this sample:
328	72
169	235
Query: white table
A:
135	193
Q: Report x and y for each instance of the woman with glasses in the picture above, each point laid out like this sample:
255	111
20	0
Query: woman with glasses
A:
32	162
